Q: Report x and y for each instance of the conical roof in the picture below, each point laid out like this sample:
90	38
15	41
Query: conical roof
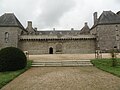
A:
10	20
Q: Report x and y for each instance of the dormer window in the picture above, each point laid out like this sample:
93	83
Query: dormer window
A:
6	37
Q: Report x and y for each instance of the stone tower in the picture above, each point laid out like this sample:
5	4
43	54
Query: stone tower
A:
106	28
10	29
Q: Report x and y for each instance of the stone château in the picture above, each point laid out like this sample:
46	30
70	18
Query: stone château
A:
103	35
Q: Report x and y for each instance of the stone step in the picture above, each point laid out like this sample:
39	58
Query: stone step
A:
62	63
66	62
74	65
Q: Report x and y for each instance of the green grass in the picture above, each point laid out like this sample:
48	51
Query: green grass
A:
6	77
106	65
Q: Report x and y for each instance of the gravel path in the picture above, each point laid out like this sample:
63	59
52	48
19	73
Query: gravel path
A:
64	78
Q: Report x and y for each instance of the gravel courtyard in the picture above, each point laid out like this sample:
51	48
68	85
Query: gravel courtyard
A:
64	78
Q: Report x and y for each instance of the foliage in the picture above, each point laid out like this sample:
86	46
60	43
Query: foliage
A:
11	59
6	77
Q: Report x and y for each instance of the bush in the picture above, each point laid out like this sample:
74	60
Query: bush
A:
12	59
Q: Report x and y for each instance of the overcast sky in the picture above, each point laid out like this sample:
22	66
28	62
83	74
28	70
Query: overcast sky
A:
59	14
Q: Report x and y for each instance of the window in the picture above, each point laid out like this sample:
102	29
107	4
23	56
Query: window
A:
6	37
117	37
116	27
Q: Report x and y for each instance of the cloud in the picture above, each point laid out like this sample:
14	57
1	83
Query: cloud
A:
118	1
61	14
52	11
23	9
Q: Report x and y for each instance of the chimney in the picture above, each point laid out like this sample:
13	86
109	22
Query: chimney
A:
72	29
29	24
53	29
95	17
85	23
29	27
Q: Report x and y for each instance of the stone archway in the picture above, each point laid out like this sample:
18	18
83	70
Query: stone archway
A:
50	50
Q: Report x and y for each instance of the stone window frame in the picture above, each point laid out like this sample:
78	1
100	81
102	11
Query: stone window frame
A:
117	33
6	37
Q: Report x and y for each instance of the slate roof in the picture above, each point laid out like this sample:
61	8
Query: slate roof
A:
62	32
118	13
108	17
10	20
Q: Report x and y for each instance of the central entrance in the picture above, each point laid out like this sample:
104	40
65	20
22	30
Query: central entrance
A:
50	50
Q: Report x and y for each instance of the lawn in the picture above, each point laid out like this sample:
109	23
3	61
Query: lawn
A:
6	77
106	65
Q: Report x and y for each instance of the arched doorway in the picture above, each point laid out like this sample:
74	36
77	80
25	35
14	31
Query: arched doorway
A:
50	50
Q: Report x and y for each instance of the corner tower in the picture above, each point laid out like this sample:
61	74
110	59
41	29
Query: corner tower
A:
10	29
107	31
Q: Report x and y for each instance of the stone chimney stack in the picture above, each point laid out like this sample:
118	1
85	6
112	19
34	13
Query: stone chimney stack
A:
53	29
29	24
85	23
95	17
72	29
30	28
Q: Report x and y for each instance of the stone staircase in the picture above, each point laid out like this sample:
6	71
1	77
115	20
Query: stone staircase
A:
63	63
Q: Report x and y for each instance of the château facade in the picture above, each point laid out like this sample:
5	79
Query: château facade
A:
103	35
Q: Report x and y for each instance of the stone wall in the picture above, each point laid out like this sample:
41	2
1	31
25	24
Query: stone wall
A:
9	36
67	46
107	36
79	46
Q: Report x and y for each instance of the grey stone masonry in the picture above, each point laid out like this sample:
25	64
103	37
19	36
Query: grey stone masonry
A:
103	35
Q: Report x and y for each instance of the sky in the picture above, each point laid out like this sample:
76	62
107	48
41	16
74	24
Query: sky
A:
59	14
